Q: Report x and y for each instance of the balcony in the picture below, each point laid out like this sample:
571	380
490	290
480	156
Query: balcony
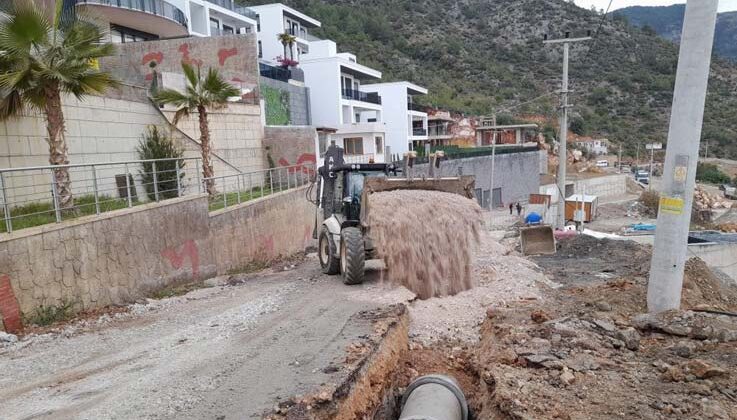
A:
357	95
438	131
245	11
157	17
415	107
276	73
417	132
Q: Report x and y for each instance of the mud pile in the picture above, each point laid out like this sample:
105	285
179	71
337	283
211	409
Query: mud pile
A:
426	239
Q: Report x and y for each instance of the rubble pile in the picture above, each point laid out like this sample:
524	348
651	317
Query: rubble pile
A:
588	352
703	200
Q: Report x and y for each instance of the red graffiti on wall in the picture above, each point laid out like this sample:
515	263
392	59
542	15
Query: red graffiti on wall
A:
300	164
9	308
184	49
267	244
176	258
224	54
156	56
237	80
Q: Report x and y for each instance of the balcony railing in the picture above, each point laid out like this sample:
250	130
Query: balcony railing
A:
357	95
438	131
419	132
245	11
415	107
155	7
276	73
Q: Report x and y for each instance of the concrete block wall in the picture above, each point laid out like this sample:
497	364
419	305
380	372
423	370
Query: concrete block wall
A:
118	257
603	186
234	56
517	174
299	100
290	145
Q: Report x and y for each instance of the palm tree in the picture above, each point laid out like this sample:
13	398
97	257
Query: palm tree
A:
45	55
200	94
287	39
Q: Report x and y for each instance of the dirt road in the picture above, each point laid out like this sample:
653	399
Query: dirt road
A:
224	352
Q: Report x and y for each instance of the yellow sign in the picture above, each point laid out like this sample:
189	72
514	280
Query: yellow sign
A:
680	174
672	205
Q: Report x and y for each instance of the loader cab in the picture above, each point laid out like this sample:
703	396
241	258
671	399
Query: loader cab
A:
343	188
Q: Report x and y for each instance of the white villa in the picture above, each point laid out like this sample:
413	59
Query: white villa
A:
337	101
275	19
406	122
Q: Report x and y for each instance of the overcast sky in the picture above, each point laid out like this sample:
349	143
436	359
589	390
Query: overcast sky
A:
724	5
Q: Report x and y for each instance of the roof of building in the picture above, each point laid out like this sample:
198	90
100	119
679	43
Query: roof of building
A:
506	127
295	14
581	197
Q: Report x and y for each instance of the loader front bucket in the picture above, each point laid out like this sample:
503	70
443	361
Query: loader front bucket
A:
537	240
462	185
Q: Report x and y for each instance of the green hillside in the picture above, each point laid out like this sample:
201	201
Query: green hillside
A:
481	56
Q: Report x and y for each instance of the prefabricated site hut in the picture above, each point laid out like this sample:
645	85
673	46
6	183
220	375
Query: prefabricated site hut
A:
589	203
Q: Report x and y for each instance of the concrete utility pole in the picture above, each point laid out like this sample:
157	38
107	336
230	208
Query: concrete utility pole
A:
650	176
493	161
682	154
620	157
562	149
637	158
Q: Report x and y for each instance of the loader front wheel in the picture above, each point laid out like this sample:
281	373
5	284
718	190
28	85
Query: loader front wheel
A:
326	252
352	255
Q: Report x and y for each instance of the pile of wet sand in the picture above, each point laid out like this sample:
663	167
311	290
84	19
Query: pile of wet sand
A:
426	239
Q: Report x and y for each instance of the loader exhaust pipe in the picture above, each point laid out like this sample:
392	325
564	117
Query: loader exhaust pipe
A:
434	397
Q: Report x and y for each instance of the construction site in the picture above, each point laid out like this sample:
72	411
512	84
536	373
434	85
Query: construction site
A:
511	278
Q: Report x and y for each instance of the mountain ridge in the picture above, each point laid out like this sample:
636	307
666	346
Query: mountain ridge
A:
481	56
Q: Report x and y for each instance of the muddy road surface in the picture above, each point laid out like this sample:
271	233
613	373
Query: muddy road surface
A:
226	352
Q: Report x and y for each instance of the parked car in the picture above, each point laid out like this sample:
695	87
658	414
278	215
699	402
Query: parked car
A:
643	177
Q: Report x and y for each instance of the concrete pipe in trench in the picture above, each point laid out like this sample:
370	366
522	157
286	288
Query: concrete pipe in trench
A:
434	397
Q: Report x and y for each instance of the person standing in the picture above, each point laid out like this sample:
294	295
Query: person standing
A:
511	206
519	209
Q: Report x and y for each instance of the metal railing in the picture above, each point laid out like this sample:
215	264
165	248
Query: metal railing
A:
245	11
276	73
419	132
415	107
357	95
310	38
367	158
239	188
438	131
34	196
155	7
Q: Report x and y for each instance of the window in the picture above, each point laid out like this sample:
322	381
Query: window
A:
322	140
116	37
353	145
214	26
121	34
379	141
358	117
260	50
228	30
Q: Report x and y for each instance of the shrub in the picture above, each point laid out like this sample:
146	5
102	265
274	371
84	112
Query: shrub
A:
157	145
47	315
651	201
710	173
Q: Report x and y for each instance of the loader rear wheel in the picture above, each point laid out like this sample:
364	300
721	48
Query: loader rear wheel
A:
326	252
352	255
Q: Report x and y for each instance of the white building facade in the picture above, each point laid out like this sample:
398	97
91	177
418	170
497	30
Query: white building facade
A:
337	101
275	19
406	122
134	20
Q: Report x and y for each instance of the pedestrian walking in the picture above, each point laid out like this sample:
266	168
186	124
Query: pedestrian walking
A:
511	207
519	209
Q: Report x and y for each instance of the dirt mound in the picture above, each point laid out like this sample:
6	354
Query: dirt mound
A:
702	288
426	239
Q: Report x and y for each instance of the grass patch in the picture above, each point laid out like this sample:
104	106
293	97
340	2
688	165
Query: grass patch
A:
37	214
219	202
651	201
179	290
47	315
251	267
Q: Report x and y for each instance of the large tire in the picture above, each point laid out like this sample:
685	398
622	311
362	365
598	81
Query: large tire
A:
326	253
352	255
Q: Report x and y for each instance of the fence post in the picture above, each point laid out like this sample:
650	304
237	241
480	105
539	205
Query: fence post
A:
95	191
54	194
288	178
156	181
179	186
262	185
197	170
278	173
271	181
238	185
128	186
225	193
6	207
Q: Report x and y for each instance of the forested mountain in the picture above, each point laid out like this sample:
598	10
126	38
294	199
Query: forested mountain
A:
667	21
484	56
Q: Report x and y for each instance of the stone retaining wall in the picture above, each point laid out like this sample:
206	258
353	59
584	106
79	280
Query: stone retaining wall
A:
118	257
